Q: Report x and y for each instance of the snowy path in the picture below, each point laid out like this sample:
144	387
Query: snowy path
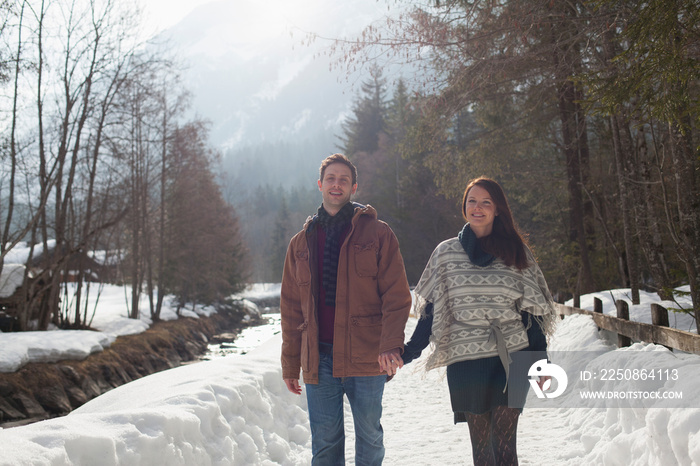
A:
419	430
418	414
418	418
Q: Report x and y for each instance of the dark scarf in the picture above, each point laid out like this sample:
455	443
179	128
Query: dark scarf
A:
471	246
333	226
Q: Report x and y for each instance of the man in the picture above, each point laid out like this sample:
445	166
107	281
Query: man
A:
345	303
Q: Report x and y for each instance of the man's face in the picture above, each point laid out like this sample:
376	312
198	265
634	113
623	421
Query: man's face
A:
336	187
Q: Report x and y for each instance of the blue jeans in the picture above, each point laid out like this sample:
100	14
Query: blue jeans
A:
325	402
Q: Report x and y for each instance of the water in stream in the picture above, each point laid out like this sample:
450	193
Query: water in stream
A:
249	339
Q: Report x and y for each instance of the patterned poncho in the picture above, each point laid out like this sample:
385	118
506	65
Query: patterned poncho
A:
477	309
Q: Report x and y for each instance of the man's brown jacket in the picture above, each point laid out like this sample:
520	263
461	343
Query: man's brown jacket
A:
372	300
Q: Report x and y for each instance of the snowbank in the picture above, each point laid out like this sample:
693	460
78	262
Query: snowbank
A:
111	321
233	410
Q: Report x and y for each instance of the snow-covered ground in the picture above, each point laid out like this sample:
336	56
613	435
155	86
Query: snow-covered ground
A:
111	320
236	410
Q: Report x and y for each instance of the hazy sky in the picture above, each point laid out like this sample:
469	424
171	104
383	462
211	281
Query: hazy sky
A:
278	94
267	17
301	13
162	14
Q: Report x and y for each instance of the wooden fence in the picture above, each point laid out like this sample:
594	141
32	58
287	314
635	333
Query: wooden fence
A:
657	332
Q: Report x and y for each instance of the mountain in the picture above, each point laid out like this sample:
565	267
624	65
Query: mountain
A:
275	105
253	79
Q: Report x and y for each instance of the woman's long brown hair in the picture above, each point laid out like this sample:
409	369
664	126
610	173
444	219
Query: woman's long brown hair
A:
505	240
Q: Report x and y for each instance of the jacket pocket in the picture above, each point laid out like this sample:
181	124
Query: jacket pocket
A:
365	335
366	259
303	270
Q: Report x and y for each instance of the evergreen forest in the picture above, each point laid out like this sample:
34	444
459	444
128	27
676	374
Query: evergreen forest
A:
586	112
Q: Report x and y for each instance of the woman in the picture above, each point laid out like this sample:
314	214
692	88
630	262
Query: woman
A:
482	299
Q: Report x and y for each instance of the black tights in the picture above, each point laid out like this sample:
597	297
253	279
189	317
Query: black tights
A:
493	436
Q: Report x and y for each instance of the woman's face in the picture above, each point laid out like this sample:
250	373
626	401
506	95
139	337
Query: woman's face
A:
480	211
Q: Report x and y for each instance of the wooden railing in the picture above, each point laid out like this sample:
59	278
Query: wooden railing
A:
657	332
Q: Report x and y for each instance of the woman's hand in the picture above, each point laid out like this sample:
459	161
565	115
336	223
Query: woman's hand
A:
390	361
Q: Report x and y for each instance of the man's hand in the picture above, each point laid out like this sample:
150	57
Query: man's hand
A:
293	386
390	361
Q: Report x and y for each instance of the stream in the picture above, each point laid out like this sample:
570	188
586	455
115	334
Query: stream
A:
248	339
265	299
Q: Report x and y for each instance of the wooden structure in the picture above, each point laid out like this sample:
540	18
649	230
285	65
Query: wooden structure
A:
659	332
94	271
23	305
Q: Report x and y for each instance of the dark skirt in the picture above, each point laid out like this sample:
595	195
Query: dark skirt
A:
476	386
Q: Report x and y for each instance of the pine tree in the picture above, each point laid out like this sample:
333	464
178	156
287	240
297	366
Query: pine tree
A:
362	131
205	258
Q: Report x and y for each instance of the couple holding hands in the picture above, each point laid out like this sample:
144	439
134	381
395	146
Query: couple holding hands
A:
345	301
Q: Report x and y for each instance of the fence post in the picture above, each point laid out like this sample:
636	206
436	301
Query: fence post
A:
659	315
623	312
577	301
597	305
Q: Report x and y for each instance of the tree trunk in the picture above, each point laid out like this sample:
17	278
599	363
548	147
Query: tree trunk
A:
567	62
161	223
626	192
649	231
577	235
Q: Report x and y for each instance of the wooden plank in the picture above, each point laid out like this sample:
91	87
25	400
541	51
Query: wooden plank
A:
671	337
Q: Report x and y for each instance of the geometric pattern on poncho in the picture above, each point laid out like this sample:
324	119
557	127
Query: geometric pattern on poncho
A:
468	301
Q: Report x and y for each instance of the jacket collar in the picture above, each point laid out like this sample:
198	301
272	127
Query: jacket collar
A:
360	209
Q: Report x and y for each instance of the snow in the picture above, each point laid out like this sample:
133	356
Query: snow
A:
236	410
11	278
106	257
20	348
20	253
111	320
261	291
